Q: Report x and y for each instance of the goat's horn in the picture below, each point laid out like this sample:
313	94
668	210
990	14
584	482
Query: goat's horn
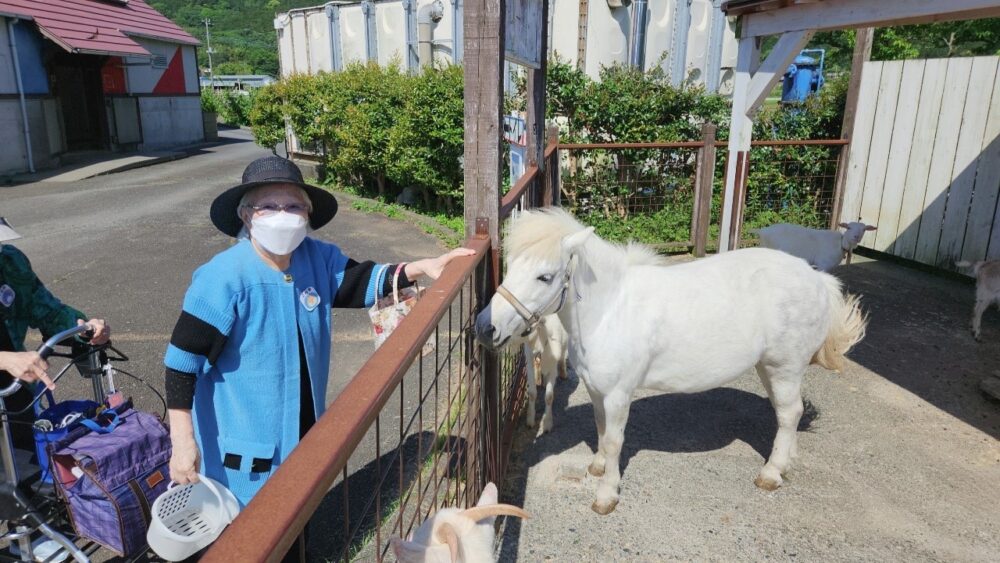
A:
446	534
477	513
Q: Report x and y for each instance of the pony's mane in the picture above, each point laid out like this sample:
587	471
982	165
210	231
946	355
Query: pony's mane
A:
539	232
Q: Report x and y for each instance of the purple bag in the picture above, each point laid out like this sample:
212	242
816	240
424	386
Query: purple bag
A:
109	471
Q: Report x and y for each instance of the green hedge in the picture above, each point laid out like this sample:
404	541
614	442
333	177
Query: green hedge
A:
379	129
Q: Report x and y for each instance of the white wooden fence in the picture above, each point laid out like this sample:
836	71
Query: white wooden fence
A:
924	162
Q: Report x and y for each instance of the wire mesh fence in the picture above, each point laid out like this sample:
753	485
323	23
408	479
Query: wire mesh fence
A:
642	194
791	183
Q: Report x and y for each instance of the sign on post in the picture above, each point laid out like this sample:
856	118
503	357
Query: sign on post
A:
523	35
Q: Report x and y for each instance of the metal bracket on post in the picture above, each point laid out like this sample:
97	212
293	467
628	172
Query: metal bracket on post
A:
333	15
482	228
371	30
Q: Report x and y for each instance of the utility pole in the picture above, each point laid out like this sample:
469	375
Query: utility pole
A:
208	44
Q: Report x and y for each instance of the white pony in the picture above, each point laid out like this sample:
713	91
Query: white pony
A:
637	323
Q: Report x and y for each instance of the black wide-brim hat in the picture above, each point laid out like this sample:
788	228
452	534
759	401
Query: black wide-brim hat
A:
266	171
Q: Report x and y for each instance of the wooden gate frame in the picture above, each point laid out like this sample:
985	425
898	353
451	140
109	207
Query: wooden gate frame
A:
796	22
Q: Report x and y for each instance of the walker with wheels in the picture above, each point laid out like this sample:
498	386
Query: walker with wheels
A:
37	527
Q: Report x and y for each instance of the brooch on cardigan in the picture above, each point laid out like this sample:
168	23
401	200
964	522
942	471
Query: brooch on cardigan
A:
309	299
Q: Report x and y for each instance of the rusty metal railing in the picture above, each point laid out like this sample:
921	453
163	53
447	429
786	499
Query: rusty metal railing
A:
409	434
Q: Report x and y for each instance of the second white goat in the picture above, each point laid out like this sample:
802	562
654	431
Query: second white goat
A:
822	249
987	290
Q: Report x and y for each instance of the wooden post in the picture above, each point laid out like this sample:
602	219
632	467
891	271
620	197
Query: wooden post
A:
483	36
536	100
704	180
862	54
551	172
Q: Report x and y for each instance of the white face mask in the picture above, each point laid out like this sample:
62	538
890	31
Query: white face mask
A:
280	233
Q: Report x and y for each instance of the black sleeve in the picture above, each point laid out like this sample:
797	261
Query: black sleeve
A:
354	287
180	389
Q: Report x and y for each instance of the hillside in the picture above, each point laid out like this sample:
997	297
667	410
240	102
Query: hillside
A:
243	36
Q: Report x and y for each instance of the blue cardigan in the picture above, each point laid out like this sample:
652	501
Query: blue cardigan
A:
246	402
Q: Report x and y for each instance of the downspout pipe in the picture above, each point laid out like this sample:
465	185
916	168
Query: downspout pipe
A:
714	71
640	21
413	59
371	30
678	54
457	31
427	18
333	15
20	91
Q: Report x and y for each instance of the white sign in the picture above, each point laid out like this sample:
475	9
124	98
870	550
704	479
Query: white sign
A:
524	28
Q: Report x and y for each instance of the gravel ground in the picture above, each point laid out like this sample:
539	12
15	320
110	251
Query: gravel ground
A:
899	458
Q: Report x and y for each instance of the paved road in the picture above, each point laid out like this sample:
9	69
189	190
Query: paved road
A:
123	246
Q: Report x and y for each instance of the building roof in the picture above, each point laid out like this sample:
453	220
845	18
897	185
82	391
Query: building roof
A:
104	27
740	7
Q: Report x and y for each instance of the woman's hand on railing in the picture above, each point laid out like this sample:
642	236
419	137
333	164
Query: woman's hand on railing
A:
432	267
26	366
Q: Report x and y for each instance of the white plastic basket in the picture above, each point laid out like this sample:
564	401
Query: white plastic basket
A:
188	518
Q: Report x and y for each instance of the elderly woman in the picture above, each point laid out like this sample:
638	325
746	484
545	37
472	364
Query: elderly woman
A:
26	302
248	361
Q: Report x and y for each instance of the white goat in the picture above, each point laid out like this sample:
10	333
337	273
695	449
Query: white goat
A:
987	290
545	350
822	249
453	535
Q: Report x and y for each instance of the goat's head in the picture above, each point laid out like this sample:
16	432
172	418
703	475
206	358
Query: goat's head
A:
854	232
453	535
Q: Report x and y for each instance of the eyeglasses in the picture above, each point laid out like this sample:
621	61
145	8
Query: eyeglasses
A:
272	208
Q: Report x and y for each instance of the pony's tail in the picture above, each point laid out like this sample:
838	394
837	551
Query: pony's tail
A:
847	327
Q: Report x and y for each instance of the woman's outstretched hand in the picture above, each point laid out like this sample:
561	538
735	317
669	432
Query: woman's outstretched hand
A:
432	267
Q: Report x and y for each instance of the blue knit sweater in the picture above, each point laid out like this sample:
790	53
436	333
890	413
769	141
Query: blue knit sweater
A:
247	394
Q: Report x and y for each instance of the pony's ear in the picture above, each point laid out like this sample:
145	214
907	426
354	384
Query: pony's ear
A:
574	241
843	225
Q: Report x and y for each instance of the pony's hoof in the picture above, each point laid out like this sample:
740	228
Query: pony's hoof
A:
546	426
604	507
595	469
767	483
530	422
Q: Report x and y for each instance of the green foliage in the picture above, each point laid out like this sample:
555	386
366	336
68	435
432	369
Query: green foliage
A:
380	130
242	30
209	101
426	142
357	143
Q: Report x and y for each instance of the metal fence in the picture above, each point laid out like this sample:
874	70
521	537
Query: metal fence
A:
425	423
669	195
792	182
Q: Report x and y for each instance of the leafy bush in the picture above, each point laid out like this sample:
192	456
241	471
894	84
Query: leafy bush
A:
209	101
378	130
427	141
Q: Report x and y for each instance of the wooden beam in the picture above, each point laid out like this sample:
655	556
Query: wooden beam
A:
774	67
484	37
740	135
862	54
536	100
847	14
